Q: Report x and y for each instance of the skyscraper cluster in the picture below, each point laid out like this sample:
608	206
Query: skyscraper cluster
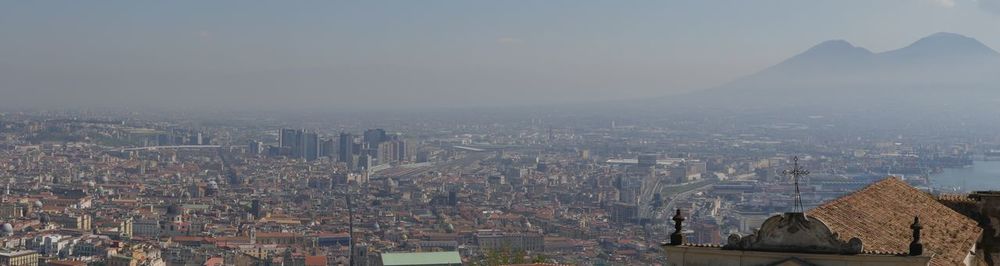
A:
298	143
375	147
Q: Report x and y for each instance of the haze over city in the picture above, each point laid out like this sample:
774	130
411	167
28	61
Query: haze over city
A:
420	54
500	133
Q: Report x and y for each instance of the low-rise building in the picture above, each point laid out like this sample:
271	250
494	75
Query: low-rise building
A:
19	258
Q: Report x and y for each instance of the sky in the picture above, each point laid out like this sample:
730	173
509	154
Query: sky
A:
383	55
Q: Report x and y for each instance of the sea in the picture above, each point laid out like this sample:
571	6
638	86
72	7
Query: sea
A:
981	175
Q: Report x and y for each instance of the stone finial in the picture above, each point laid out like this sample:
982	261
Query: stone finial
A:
677	238
916	248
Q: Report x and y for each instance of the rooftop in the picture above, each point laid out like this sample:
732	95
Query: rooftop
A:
9	253
421	258
880	215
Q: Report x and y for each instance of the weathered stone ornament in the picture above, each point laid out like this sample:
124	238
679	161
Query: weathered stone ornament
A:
794	232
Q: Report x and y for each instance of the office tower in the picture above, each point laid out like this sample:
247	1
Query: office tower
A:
291	139
253	147
285	137
402	151
423	156
274	151
392	151
373	137
365	162
310	146
386	152
298	146
346	152
391	137
326	148
630	189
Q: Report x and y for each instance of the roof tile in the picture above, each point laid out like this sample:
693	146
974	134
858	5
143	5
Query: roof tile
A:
881	214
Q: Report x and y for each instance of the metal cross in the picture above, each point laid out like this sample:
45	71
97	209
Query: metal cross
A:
796	172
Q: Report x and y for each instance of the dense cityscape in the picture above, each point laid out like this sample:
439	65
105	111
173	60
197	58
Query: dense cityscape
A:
121	189
500	133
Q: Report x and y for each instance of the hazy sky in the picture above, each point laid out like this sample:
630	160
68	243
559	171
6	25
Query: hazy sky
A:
421	53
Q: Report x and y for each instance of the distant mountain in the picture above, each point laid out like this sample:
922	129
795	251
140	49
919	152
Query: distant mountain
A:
943	46
942	69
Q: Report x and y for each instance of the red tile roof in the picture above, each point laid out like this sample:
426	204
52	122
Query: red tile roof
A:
315	261
881	214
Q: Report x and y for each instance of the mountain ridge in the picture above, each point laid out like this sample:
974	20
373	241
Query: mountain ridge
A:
943	68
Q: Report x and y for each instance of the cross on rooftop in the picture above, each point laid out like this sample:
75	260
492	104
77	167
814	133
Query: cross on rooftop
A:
796	172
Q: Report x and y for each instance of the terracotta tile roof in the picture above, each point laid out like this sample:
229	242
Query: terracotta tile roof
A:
66	263
961	204
276	234
881	214
315	261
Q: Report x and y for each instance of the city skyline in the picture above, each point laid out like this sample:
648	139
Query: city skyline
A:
500	133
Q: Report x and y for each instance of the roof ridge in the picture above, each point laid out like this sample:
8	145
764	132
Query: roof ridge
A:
880	215
954	197
884	182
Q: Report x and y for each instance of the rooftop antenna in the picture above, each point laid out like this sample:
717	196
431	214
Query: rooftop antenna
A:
796	172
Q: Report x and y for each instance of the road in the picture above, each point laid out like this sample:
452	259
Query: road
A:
672	199
451	166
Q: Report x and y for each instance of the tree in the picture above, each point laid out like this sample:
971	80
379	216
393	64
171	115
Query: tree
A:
497	257
540	259
519	257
